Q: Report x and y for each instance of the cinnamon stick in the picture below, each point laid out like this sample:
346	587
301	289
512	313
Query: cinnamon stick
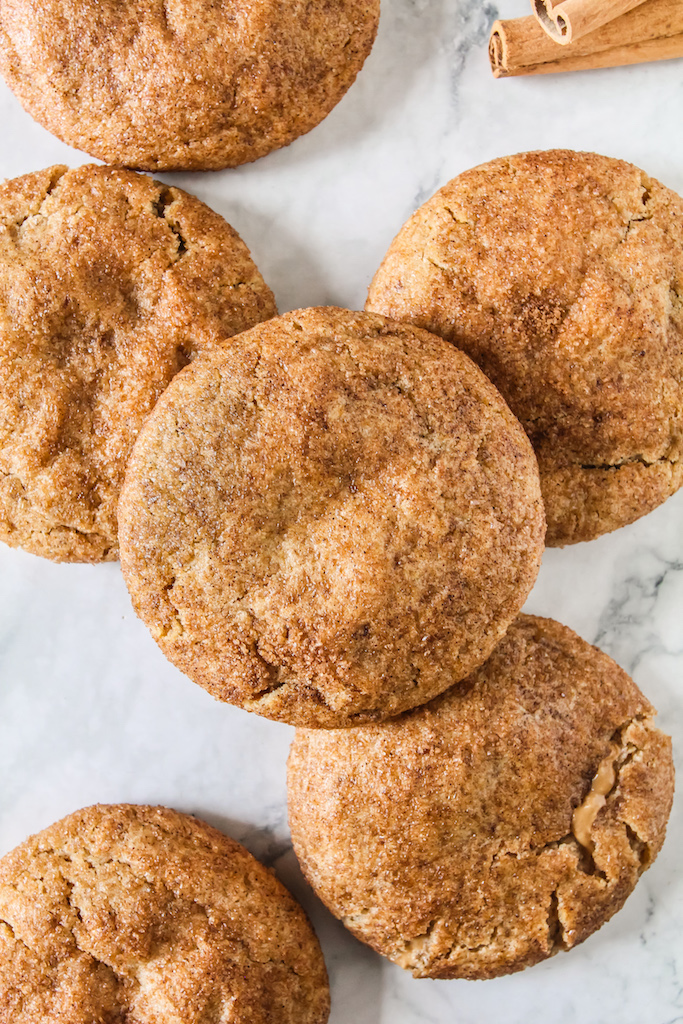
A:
565	21
651	31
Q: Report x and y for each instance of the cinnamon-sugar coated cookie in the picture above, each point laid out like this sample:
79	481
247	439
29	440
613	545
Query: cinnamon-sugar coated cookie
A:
504	821
329	517
182	84
127	913
561	275
109	283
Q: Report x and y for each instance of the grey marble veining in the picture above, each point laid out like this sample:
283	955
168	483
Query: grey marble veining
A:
89	709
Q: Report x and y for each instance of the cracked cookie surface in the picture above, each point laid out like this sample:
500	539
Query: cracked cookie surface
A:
125	913
561	275
109	283
321	516
447	838
183	84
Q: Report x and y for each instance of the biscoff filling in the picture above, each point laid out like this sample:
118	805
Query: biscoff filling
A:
585	814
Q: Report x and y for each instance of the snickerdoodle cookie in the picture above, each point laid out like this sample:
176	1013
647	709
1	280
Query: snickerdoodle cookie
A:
330	519
109	283
504	821
183	84
143	914
561	275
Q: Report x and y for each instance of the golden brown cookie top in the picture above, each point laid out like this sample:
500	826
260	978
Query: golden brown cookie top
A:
447	838
109	283
183	84
140	913
561	275
322	517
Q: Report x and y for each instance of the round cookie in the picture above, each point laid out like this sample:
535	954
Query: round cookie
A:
505	821
109	284
140	913
322	517
183	84
561	275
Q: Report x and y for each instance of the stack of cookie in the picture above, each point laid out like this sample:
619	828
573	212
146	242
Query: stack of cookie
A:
334	519
331	518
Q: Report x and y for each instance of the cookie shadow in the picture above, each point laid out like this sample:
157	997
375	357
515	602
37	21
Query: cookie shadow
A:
288	267
355	971
409	35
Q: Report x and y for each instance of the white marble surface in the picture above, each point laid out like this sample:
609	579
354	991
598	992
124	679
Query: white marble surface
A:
89	709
